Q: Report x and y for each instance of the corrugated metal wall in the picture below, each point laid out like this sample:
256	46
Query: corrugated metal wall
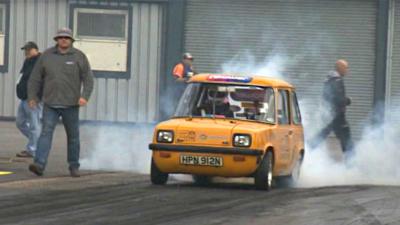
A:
133	100
35	20
136	99
394	79
305	37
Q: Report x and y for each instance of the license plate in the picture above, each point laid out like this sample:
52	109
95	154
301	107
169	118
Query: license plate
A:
201	160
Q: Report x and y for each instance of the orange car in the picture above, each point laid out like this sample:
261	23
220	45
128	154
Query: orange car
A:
231	126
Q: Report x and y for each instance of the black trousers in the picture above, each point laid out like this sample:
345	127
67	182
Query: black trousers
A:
341	128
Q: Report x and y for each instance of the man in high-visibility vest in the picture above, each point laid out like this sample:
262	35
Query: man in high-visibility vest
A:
184	70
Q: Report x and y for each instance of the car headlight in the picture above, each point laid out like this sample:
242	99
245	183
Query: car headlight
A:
241	140
165	136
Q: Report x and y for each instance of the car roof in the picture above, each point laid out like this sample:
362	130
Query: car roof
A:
263	81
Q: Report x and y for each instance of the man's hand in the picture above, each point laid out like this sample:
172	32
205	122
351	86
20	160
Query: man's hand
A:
348	101
32	104
82	102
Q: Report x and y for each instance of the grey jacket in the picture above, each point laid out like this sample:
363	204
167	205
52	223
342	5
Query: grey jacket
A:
63	76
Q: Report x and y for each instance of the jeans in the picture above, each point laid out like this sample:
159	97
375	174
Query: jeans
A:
28	122
341	128
70	119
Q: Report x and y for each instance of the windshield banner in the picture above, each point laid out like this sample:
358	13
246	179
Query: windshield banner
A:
228	78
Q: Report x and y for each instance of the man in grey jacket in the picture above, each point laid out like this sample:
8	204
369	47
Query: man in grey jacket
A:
334	95
67	82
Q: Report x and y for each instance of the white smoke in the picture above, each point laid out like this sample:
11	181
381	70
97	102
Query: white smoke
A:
376	160
120	148
246	64
377	156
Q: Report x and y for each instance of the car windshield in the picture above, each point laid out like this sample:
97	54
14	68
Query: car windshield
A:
227	101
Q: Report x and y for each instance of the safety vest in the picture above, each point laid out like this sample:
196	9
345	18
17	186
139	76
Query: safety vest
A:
181	70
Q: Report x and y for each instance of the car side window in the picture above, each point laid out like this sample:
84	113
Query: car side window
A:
283	107
270	98
296	115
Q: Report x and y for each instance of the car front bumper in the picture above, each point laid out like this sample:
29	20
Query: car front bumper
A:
202	149
167	159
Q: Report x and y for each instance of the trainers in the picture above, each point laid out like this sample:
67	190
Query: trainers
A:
74	172
36	169
24	154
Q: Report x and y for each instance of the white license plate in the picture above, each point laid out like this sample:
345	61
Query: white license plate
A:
201	160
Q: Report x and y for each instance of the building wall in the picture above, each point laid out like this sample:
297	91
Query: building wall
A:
29	20
136	99
132	100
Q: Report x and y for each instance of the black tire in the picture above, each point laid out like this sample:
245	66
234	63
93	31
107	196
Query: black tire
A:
291	180
157	177
263	177
202	180
294	177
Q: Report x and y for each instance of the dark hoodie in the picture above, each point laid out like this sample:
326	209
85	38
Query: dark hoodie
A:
334	92
22	86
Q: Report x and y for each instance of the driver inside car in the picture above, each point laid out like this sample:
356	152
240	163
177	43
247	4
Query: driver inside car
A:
254	112
217	104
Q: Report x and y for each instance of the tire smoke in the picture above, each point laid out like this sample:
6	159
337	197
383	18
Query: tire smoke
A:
120	148
375	160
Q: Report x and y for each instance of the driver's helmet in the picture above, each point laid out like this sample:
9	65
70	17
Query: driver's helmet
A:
218	96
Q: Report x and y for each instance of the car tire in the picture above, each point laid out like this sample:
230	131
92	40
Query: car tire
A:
294	177
202	180
157	177
291	180
263	177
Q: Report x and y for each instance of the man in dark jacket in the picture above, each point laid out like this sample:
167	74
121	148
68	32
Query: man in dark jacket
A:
334	94
67	85
28	120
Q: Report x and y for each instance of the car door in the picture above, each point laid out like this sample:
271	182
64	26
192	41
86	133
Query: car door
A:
284	131
296	126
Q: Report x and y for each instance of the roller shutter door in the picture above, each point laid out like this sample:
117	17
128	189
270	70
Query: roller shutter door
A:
304	37
394	79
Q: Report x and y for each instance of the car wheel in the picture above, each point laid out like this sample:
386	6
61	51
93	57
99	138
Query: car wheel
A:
291	180
157	177
294	178
201	180
263	177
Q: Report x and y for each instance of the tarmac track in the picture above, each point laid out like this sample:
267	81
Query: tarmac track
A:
125	198
128	198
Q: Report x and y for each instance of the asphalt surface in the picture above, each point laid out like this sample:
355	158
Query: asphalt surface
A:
103	197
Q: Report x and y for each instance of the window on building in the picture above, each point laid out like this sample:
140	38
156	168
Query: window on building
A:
2	18
103	35
106	25
3	36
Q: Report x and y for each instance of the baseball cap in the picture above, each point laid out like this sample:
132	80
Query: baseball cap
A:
29	45
187	55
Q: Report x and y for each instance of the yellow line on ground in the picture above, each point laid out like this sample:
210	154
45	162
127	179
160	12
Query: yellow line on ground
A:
5	173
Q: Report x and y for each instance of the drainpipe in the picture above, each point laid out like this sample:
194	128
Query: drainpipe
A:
382	37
